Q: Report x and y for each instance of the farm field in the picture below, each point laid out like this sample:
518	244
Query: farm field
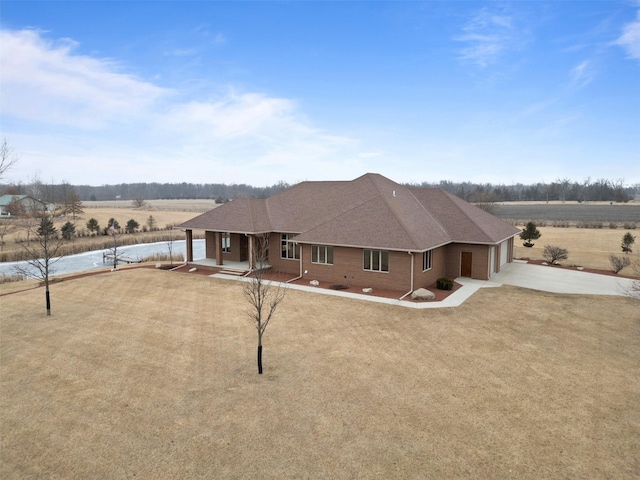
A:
570	211
125	381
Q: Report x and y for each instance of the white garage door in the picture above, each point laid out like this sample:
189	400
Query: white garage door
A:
504	252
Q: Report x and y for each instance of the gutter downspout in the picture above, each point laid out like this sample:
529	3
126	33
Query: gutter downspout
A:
301	274
410	291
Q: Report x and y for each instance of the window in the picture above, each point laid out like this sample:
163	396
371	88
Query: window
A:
226	242
289	248
322	254
376	260
427	258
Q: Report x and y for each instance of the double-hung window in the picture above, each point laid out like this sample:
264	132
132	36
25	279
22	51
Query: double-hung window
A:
375	260
322	254
427	259
226	242
288	248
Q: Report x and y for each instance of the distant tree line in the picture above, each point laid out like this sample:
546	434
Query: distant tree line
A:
601	190
561	189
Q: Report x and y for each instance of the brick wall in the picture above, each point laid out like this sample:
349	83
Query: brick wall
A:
480	260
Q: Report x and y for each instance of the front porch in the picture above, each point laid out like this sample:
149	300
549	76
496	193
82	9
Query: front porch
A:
226	265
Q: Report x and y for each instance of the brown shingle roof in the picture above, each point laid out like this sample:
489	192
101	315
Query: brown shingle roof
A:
370	211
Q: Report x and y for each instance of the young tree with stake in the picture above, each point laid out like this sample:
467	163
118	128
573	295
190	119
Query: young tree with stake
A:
263	295
43	252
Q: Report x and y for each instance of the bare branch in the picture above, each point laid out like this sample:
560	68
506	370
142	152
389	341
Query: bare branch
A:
8	158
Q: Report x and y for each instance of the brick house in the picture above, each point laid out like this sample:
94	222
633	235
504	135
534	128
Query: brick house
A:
369	231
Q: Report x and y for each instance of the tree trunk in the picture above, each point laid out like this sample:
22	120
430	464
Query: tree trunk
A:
260	359
48	302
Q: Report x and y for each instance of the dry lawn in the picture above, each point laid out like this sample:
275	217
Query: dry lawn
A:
588	248
152	374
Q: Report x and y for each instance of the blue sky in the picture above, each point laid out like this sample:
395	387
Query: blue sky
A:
258	92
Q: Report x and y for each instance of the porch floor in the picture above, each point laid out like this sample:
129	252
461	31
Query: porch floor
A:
227	265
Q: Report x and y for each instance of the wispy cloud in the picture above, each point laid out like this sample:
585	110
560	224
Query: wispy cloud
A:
487	36
630	38
582	74
47	82
110	117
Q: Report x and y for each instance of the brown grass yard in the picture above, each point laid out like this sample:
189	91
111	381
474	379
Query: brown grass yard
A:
588	248
128	381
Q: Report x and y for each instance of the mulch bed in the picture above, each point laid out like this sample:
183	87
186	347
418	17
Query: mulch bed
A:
377	292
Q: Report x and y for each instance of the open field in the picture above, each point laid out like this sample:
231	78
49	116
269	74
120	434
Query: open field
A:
190	205
570	211
128	381
164	219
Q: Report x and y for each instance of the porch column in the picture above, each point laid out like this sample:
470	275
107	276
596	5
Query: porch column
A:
189	241
252	260
219	248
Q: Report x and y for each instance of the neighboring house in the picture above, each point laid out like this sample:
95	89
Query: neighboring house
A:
369	231
29	204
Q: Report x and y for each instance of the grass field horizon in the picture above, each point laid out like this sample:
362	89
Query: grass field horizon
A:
127	381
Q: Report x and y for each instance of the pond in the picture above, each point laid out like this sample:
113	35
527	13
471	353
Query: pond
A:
94	259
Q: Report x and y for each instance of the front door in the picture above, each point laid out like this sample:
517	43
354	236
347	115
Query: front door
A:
465	264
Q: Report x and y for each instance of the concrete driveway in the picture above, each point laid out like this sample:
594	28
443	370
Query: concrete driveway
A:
559	280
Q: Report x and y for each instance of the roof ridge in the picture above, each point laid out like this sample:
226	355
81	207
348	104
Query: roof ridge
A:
455	199
426	210
400	218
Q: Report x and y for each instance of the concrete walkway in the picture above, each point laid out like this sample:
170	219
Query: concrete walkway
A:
519	274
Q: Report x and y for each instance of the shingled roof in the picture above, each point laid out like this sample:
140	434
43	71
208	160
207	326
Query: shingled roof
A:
368	212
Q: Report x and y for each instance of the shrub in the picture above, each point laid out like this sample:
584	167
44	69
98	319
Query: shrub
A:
613	225
530	233
132	225
627	241
553	254
444	284
618	263
630	225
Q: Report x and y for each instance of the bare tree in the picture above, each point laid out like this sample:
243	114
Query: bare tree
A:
6	226
43	252
484	200
618	263
263	295
553	254
8	158
170	248
113	230
73	204
139	202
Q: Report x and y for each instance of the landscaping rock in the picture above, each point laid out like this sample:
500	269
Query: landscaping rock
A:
314	283
423	294
367	290
194	269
